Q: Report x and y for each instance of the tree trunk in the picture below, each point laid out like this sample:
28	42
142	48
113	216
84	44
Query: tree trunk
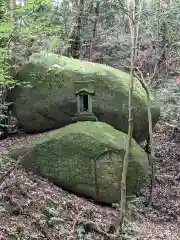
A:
94	28
12	7
76	32
134	32
163	47
151	139
4	112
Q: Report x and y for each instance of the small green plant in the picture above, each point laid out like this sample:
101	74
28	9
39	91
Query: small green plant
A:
127	231
50	212
80	229
22	26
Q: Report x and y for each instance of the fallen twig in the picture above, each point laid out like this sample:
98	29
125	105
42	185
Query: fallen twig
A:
92	226
171	126
6	175
41	229
22	191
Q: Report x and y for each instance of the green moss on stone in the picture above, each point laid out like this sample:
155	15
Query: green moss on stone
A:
86	158
51	103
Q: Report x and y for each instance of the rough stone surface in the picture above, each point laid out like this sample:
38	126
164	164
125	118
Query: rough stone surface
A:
86	158
51	102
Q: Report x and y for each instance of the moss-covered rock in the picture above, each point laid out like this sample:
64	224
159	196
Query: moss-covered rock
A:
51	102
86	158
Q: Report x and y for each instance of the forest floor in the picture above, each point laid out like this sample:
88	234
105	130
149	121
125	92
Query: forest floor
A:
33	208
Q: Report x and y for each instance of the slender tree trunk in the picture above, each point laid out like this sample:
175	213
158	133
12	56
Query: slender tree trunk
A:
12	7
152	153
133	28
4	108
151	139
3	112
162	42
158	5
94	28
76	32
163	47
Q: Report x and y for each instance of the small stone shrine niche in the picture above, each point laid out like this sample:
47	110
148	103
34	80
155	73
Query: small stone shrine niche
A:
84	91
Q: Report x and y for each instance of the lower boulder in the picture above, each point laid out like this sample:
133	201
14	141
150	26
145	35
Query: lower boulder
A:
86	158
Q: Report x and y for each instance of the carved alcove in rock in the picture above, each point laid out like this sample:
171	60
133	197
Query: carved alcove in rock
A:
84	91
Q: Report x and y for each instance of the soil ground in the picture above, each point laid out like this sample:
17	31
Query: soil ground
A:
33	208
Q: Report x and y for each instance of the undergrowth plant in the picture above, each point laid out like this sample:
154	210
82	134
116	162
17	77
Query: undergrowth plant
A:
22	30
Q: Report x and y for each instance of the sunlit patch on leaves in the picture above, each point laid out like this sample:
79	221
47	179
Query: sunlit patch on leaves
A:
14	236
2	208
116	205
127	231
80	229
54	221
50	212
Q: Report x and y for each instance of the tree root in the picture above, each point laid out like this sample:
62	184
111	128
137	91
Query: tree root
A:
92	226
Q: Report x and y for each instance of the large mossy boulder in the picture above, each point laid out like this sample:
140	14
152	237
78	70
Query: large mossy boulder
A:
86	158
51	102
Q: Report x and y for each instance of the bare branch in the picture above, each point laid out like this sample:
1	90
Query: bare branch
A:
152	152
